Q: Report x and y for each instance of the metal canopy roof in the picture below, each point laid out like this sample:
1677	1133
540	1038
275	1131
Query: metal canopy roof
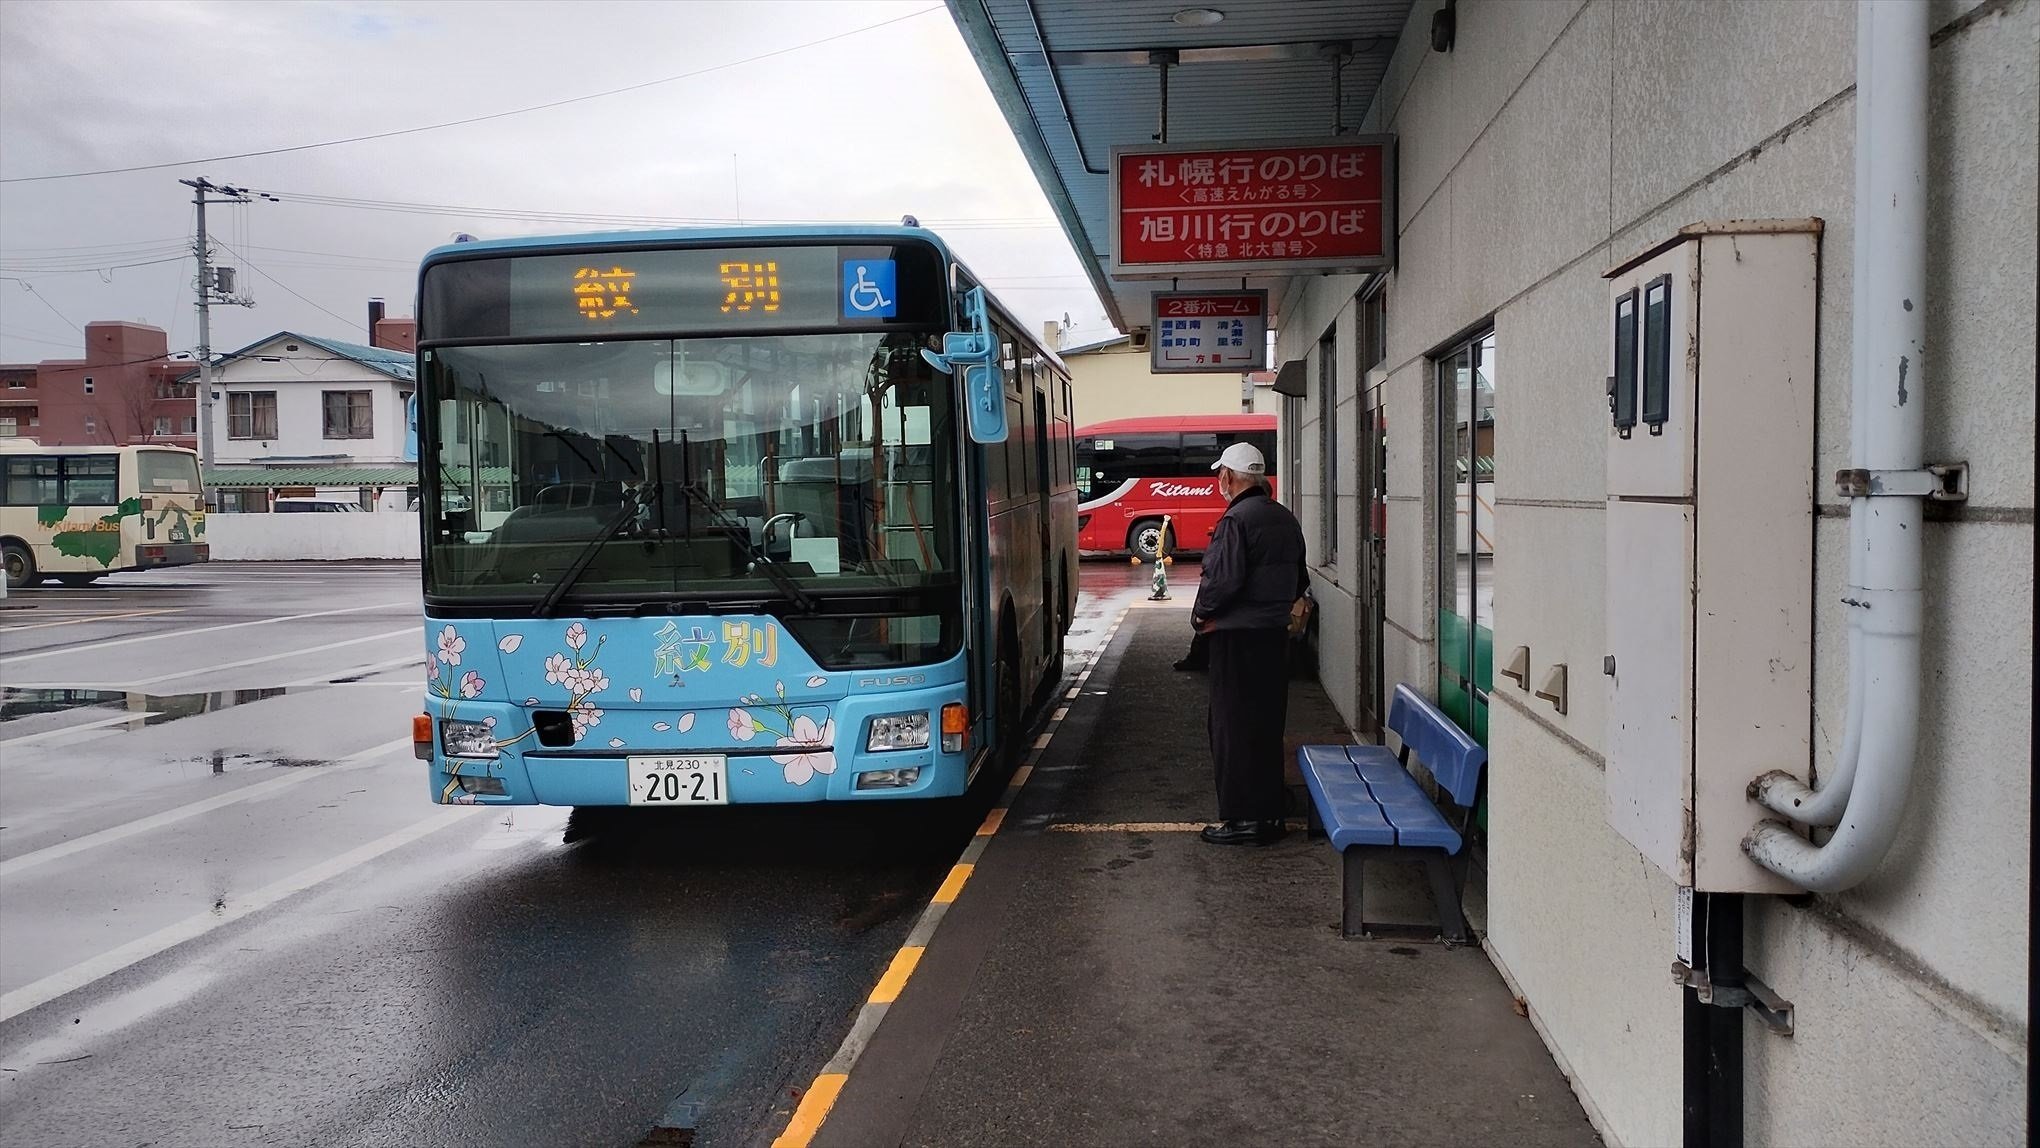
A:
1075	79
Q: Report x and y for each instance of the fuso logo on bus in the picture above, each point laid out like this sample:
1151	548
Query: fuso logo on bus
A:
1178	490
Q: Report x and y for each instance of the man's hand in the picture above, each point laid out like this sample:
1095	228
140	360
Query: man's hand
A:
1202	625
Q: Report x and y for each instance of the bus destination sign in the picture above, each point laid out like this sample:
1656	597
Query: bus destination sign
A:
1208	331
1253	207
623	292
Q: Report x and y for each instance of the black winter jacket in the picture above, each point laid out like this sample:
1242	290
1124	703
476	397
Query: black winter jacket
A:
1254	570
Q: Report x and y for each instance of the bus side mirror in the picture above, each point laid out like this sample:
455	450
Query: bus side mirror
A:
984	382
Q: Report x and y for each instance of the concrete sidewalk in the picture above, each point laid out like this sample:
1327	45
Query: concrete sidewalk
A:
1108	978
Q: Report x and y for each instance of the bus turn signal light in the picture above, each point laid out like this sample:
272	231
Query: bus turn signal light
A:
955	727
421	737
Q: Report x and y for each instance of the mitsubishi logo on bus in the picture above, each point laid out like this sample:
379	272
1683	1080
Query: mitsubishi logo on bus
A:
1178	490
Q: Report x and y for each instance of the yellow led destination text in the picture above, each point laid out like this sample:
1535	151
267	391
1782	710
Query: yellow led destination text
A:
750	285
603	294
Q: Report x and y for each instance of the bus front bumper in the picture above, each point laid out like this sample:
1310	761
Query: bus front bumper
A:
759	770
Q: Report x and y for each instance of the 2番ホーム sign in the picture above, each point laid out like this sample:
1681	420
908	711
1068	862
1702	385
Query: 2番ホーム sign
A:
1194	331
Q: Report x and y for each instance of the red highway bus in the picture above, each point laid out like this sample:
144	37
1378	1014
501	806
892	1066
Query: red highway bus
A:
1132	472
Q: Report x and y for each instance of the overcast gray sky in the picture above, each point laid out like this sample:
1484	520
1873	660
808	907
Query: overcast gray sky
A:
868	126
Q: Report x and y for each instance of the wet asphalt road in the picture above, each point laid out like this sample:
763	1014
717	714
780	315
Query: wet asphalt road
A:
230	913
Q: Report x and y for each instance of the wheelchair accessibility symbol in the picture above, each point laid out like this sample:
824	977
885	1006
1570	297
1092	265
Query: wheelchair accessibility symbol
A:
870	289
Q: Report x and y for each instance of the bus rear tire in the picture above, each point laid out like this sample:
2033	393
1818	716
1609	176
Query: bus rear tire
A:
1145	539
20	564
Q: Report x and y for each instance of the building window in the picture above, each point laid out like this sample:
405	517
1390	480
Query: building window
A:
17	383
348	414
1374	329
1466	531
251	414
88	384
8	428
1328	430
190	424
162	426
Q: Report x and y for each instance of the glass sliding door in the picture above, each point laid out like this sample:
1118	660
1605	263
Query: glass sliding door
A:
1466	552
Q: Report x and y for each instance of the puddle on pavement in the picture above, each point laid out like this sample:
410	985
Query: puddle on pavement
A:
19	702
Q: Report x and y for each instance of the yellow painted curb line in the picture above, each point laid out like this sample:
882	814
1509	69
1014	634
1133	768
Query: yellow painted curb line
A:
807	1119
895	979
952	886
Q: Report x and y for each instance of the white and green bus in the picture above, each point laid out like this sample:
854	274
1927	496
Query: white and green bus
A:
75	513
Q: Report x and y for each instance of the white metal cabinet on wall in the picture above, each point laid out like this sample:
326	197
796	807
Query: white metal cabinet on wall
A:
1710	539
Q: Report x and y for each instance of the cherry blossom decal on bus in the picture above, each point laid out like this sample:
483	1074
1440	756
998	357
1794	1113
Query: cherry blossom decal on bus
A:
808	748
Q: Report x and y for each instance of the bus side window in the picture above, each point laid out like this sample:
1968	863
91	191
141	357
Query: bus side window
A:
1148	456
1200	450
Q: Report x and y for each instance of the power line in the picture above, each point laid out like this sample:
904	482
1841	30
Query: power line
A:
596	219
478	119
178	258
149	244
250	265
30	288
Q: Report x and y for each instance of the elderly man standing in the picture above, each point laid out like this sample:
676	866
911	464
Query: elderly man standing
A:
1253	575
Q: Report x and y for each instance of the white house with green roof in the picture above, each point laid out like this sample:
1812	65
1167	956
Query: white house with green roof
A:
298	414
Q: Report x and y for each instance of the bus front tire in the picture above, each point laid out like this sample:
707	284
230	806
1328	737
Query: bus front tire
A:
20	566
1145	539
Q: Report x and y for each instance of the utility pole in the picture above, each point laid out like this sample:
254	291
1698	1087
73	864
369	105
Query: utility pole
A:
211	279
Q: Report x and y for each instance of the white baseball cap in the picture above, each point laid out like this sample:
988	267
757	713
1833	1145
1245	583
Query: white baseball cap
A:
1242	457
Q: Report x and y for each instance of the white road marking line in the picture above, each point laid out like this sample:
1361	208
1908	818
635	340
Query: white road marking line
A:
297	776
111	642
360	671
91	618
83	973
295	653
48	734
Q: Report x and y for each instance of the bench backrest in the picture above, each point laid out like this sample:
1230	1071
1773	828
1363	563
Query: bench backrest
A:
1450	753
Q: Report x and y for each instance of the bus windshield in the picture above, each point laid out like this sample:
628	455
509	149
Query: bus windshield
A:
773	466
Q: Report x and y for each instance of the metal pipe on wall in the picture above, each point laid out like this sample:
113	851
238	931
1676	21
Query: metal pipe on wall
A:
1887	394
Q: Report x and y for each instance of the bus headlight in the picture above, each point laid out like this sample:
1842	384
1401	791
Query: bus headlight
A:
898	731
467	739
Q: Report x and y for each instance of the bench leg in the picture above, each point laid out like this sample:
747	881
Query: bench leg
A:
1445	891
1313	825
1354	887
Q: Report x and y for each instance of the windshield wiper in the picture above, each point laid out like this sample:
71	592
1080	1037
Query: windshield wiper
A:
580	563
760	561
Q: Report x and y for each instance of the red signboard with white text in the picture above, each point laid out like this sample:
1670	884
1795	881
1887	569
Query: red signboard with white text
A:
1273	208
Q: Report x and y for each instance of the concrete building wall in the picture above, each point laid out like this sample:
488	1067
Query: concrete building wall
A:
1114	382
129	366
314	537
1558	137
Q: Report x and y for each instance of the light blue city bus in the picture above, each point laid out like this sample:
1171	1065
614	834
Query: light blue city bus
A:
752	515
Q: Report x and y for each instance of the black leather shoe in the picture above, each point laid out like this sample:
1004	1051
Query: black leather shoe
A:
1243	832
1188	666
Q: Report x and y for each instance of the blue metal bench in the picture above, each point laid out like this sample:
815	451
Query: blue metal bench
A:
1366	802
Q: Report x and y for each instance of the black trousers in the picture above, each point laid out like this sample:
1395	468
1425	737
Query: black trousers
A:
1249	678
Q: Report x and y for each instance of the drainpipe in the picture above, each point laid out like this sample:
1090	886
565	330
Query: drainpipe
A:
1889	481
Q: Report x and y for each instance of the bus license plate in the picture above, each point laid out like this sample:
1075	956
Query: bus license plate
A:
698	779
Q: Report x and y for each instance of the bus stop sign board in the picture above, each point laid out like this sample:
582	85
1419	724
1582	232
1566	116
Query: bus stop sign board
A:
1242	208
1196	331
